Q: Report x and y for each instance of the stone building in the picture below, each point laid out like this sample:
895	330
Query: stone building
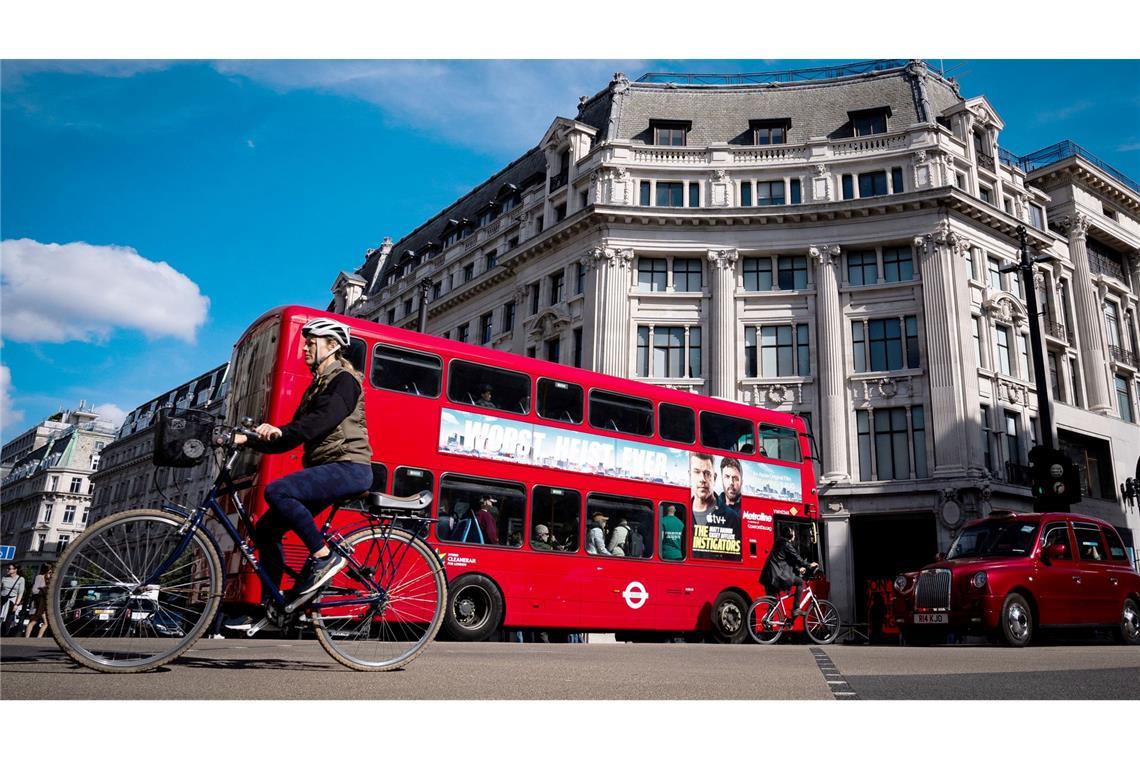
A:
128	478
48	482
830	242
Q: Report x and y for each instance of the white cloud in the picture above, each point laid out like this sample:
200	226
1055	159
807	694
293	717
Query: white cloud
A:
8	415
55	293
493	105
1128	147
110	413
15	71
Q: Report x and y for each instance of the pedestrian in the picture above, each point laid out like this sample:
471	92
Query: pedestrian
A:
12	596
39	614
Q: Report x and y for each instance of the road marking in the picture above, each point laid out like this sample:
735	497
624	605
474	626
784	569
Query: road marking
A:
840	689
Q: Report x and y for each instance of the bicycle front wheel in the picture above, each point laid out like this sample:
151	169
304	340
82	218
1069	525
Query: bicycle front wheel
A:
386	605
122	601
822	622
765	620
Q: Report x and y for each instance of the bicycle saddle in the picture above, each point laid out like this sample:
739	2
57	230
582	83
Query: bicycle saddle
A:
416	503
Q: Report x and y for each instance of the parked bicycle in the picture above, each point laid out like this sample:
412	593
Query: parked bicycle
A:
769	617
140	587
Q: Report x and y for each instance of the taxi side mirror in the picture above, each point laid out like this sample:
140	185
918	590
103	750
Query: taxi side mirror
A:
1054	552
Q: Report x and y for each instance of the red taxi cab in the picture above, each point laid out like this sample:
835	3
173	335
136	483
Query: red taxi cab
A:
1010	575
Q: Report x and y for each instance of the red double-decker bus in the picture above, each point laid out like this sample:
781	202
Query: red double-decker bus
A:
608	504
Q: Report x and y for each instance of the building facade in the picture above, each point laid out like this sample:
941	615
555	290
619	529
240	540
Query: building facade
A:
128	479
831	243
48	483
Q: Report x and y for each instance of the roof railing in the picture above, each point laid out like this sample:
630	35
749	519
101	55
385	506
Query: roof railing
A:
1068	149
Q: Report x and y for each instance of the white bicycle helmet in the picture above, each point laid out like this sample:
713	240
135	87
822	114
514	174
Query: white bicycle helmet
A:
327	328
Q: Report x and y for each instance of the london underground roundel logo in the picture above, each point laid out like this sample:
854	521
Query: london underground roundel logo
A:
635	595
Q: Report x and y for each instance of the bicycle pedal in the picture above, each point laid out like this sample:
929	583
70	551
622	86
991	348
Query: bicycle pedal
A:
293	605
253	629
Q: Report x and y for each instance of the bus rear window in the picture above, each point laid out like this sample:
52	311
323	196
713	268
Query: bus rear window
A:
488	387
678	423
719	431
779	443
558	400
396	369
624	414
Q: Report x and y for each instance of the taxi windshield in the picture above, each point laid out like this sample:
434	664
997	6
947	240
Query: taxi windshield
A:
995	540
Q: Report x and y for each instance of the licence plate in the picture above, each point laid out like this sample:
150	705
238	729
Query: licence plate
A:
104	614
931	617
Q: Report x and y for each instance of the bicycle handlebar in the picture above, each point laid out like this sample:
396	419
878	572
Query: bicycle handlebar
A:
224	435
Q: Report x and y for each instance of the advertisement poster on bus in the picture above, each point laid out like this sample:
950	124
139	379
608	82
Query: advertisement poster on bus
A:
716	514
496	438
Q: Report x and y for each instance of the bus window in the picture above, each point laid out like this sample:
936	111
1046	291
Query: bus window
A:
807	537
678	423
356	353
396	369
779	443
558	400
555	513
409	481
624	414
488	387
462	498
719	431
626	523
672	531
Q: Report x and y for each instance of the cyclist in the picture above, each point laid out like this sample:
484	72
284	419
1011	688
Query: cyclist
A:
329	423
785	568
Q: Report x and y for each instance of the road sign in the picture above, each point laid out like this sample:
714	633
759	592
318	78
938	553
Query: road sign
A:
7	553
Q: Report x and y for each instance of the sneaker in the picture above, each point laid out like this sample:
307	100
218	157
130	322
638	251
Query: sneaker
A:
239	622
318	572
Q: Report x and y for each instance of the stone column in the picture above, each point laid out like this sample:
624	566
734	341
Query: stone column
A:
830	367
611	315
1090	318
950	367
722	323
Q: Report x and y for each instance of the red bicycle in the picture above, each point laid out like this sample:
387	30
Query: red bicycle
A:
769	617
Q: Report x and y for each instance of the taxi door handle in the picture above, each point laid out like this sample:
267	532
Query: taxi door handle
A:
1113	581
1077	578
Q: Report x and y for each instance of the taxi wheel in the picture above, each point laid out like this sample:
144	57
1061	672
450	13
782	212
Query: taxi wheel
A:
1016	624
1129	631
729	612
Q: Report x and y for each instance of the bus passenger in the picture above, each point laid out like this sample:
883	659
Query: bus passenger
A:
330	424
486	520
596	535
542	540
672	530
616	544
484	399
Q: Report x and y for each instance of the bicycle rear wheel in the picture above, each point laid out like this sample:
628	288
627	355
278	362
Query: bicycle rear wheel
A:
822	622
103	616
380	613
765	620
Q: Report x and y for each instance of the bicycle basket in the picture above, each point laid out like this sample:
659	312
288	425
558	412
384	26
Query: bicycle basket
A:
182	437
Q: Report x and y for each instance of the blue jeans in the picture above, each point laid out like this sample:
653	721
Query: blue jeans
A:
295	500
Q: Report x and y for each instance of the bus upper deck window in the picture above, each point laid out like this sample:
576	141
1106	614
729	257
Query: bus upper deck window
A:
678	423
488	387
719	431
623	414
397	369
778	442
559	400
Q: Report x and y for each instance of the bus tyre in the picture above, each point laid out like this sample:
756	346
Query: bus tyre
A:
729	612
474	608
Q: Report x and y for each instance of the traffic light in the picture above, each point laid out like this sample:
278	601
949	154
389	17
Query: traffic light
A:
1056	482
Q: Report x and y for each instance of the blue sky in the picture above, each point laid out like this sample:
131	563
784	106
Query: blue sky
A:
151	210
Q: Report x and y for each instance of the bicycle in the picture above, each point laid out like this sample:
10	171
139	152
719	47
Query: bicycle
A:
768	617
140	587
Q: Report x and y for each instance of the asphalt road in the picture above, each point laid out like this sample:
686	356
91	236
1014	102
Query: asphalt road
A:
260	669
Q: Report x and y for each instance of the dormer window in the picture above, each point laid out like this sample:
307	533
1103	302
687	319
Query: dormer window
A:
670	132
871	121
769	131
485	217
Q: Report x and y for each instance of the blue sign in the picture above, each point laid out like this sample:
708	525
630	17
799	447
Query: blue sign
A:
7	553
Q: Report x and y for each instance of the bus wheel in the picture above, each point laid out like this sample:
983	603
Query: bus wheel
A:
728	615
474	608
